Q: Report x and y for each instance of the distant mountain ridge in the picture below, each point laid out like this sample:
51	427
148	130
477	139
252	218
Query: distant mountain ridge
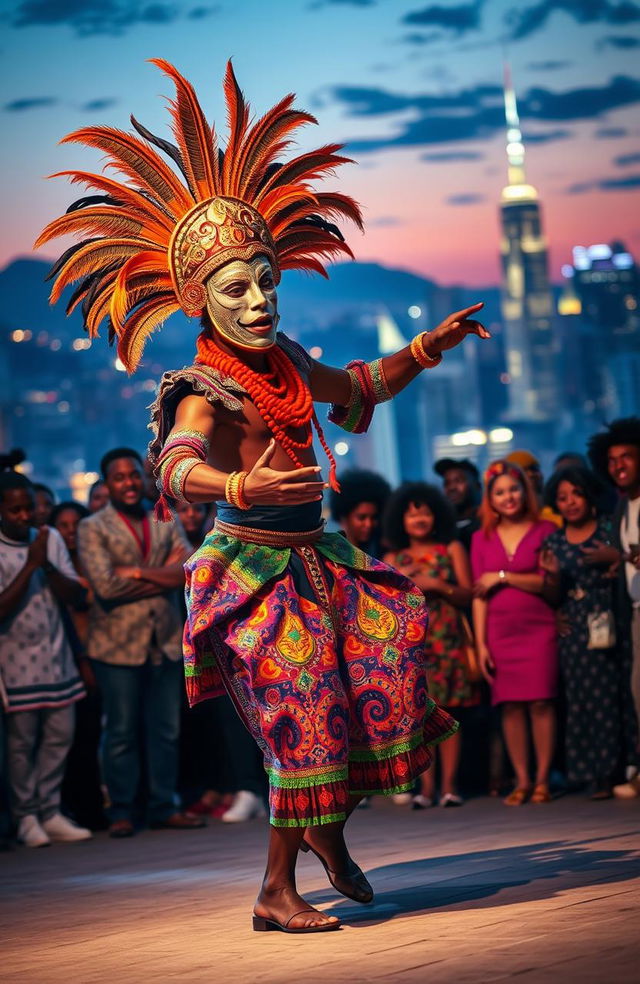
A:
24	295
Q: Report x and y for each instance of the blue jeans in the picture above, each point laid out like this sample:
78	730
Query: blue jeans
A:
141	702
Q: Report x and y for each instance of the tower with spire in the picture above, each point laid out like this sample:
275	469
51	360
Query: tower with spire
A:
527	304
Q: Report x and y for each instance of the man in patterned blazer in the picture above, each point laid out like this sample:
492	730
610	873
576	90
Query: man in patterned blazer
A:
134	566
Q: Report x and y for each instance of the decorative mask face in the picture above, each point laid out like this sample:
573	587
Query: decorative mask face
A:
243	304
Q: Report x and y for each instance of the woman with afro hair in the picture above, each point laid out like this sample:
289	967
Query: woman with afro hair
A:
419	526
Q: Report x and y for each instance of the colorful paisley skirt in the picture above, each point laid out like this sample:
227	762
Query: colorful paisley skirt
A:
321	648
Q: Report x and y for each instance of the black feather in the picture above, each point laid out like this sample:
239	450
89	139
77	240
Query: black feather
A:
164	145
92	200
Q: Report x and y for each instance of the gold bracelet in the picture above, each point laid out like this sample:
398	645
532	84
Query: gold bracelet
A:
419	354
234	490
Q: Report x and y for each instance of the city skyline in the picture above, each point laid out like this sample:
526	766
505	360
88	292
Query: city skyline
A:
419	106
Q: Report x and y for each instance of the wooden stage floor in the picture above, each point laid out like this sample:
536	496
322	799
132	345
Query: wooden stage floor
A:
484	893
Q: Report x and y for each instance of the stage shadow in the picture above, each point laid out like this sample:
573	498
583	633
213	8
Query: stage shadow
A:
484	879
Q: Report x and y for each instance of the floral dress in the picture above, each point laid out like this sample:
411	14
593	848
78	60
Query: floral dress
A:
446	663
592	677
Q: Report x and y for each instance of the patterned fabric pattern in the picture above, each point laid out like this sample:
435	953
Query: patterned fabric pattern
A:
593	678
321	648
446	662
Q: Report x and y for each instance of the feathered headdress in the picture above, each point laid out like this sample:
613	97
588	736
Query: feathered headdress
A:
156	239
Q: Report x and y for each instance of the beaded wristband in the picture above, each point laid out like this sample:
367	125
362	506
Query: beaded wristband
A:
419	354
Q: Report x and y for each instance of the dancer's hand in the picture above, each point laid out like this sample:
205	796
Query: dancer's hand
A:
267	487
454	330
487	666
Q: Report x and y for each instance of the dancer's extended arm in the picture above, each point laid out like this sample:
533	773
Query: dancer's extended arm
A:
330	385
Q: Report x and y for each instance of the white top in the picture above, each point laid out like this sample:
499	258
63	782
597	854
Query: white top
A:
36	661
630	534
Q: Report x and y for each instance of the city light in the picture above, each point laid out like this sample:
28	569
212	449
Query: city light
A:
341	448
414	311
464	438
119	365
500	435
20	335
79	344
315	352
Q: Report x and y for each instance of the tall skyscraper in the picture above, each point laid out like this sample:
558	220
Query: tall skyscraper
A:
527	305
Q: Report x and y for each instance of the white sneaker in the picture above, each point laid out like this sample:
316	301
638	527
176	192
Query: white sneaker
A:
245	806
30	833
60	828
421	802
451	799
402	799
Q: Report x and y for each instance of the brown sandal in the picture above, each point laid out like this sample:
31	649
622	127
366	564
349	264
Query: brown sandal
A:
261	924
540	793
517	796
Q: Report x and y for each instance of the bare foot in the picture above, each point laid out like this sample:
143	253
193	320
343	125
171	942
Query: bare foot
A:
283	905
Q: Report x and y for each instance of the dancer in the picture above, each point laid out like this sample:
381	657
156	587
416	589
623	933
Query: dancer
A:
319	645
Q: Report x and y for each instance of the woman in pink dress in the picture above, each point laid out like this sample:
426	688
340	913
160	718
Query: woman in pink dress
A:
515	627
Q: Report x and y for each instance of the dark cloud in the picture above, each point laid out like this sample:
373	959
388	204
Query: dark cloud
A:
421	39
341	3
610	133
459	20
95	105
523	21
89	17
619	41
548	137
548	66
478	113
449	156
470	198
605	184
38	102
626	159
384	222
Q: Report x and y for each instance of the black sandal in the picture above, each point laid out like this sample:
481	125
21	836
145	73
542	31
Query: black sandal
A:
261	924
340	881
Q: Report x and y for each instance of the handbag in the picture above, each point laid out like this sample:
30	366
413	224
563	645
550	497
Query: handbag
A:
474	673
601	630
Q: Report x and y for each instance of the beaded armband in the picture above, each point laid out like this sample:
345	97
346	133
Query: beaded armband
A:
183	451
368	388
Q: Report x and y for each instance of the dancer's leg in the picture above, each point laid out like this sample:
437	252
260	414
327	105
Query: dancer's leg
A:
278	898
543	728
514	728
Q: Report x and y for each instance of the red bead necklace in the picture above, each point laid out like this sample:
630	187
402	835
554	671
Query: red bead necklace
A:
281	396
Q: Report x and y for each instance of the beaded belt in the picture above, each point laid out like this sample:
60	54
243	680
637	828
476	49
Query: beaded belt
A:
268	538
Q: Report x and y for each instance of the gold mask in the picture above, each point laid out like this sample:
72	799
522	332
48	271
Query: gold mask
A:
242	303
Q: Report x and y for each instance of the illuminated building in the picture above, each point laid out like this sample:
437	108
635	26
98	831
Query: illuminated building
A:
527	305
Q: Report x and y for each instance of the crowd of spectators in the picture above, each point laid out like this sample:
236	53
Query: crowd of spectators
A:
533	590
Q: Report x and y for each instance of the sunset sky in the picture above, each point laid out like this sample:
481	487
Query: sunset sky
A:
413	89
